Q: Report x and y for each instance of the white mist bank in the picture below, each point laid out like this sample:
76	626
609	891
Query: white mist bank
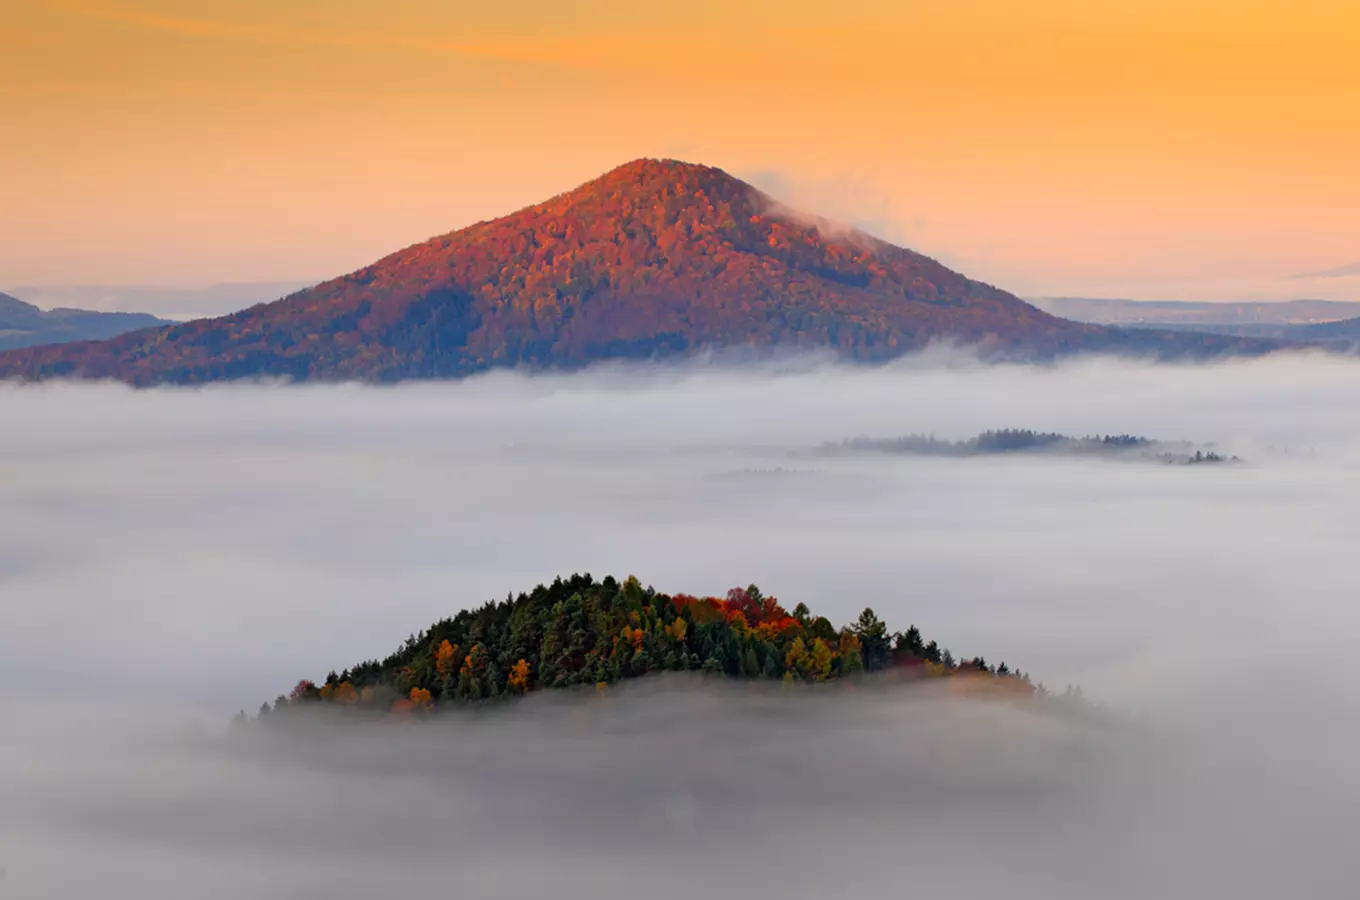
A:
168	556
670	789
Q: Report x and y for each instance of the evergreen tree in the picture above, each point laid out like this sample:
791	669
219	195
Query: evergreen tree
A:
873	640
910	642
821	627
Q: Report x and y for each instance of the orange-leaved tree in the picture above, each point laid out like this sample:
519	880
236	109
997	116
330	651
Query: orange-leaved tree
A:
445	658
519	677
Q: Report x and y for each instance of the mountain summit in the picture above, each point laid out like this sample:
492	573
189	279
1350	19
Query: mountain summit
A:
655	258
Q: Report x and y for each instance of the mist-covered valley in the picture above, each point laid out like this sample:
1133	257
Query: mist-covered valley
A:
169	556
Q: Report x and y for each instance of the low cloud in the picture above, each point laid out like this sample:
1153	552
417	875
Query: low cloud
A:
168	556
850	207
1339	272
672	789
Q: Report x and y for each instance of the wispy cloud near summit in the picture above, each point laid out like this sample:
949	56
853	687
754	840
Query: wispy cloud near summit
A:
1339	272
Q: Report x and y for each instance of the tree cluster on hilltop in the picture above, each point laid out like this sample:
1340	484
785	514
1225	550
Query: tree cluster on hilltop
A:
580	631
1020	440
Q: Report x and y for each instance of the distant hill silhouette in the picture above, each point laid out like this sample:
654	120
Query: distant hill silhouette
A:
1202	315
1347	330
174	304
25	325
653	259
1338	336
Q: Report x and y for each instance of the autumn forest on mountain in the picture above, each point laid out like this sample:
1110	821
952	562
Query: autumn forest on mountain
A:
655	259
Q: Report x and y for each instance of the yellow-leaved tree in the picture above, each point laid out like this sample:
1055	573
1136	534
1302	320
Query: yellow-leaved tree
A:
820	667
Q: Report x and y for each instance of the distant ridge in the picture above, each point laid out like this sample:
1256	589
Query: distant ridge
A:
172	303
25	325
656	258
1342	335
1175	313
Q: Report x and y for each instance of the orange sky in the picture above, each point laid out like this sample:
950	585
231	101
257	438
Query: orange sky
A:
1138	147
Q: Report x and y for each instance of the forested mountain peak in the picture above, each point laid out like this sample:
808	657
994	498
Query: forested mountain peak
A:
655	258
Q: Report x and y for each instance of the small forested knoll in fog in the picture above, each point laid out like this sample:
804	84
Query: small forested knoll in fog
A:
580	631
1023	440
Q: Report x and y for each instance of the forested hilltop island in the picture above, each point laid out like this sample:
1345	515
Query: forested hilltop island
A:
583	632
1024	440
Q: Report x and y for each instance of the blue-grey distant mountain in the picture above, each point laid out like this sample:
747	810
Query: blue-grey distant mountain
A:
1191	313
656	258
1340	335
171	303
25	325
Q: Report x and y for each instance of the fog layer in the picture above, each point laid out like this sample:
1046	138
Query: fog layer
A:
169	556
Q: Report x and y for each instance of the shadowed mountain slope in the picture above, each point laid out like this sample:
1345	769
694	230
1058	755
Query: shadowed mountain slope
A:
653	259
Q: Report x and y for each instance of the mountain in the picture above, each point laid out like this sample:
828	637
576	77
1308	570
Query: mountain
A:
583	632
1178	313
1342	335
655	258
1347	330
25	325
174	303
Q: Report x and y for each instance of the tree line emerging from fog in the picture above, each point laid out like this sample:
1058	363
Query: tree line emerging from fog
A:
583	632
1022	440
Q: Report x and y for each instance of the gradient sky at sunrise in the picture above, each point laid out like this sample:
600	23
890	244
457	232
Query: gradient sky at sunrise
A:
1158	148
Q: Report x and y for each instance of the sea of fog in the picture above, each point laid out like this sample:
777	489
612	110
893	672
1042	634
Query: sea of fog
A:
169	556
